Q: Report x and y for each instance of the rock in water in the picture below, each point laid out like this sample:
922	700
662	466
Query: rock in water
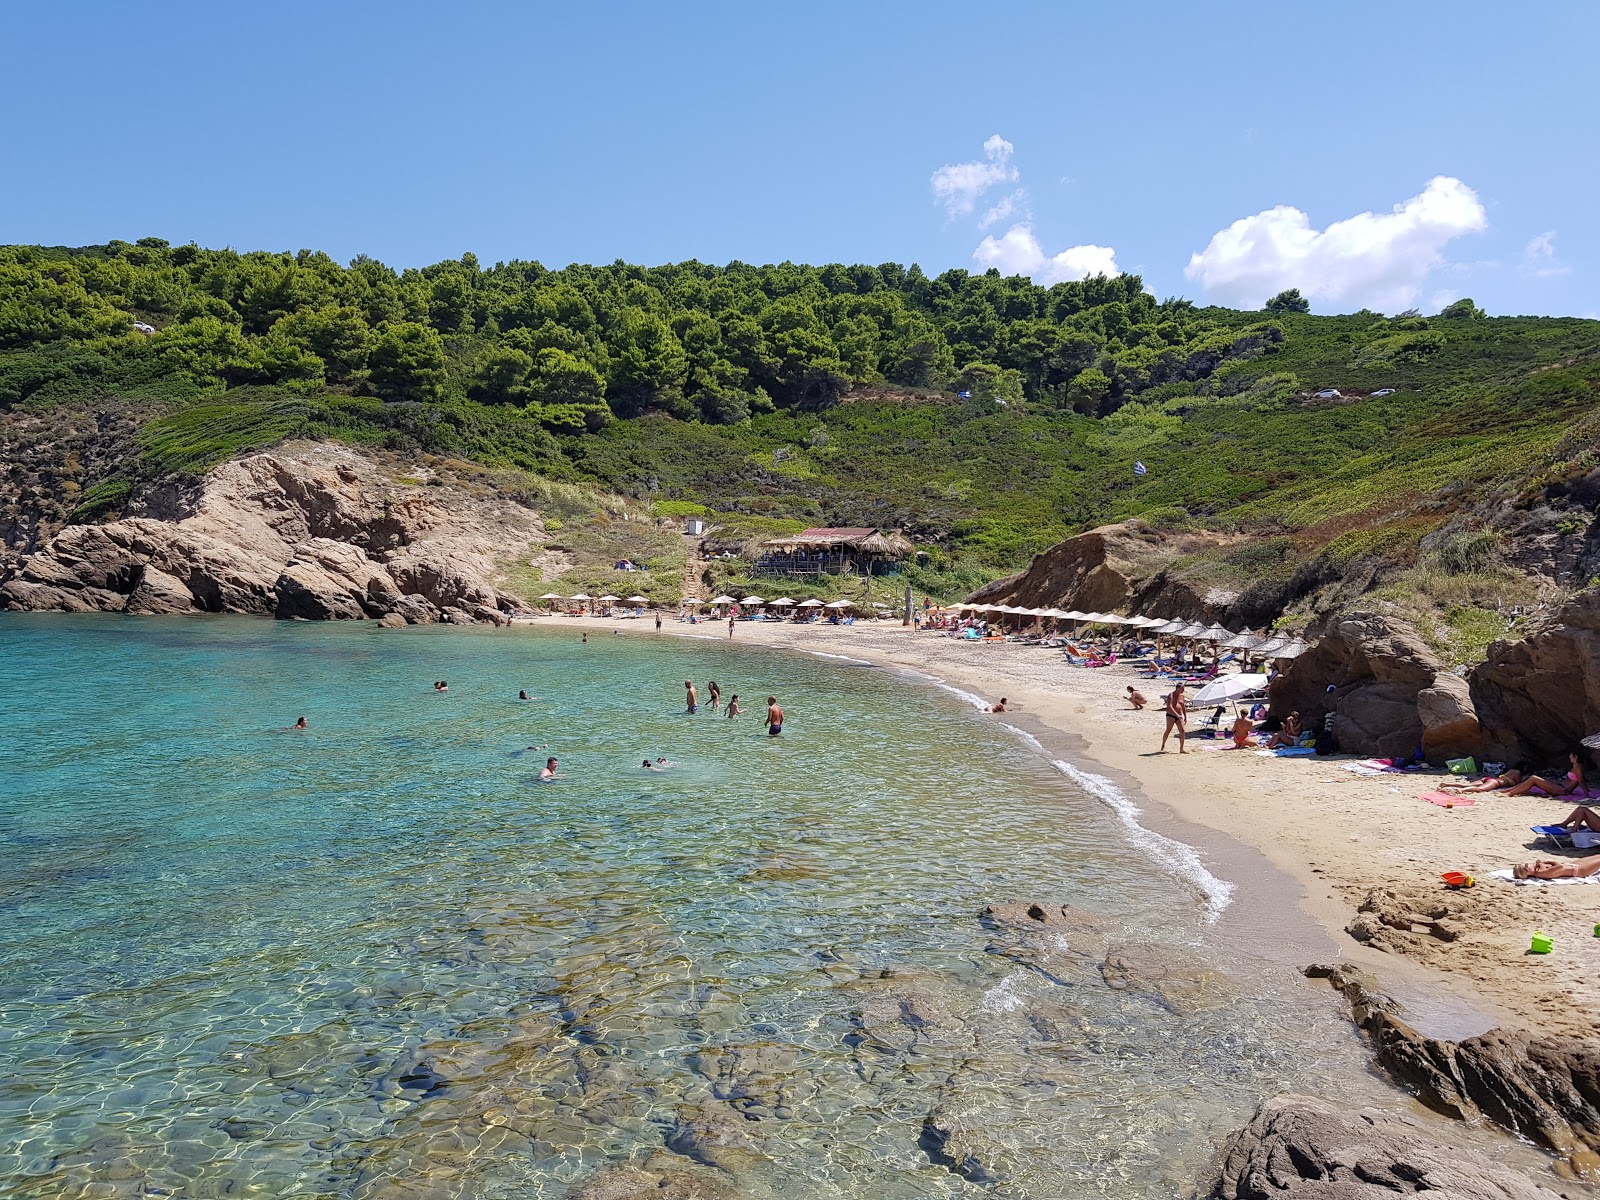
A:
1543	1088
1300	1148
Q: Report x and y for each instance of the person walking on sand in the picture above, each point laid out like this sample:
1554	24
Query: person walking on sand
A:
1136	698
716	695
694	696
774	717
1177	709
733	705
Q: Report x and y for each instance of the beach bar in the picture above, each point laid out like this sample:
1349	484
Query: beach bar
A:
841	551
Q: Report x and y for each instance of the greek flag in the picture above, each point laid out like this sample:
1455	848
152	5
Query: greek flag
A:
1139	468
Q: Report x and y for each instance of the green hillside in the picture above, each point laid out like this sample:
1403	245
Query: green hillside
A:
781	394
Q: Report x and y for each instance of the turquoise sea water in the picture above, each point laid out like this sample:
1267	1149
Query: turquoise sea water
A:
379	959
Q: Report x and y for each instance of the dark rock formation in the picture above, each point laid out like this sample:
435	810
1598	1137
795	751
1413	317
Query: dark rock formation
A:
1543	1088
1539	696
1300	1148
1390	692
1081	572
962	1141
1063	943
315	532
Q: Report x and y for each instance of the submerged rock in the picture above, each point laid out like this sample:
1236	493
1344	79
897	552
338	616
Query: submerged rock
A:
1300	1148
1057	940
1175	979
661	1177
1545	1088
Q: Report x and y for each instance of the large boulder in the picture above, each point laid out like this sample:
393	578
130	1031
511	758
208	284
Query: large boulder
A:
1540	696
1301	1148
1081	572
1388	691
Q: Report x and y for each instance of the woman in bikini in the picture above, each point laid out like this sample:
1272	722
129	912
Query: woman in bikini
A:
1546	868
1553	787
1489	783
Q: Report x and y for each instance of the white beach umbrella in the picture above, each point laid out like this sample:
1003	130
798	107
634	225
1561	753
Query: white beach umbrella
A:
609	599
581	596
552	596
752	600
1229	687
1171	627
637	600
1074	615
811	602
840	604
781	602
1057	613
724	600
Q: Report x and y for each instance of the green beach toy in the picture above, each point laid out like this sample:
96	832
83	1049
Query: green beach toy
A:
1542	943
1597	931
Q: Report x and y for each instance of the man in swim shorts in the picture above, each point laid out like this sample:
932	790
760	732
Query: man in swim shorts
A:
549	772
1177	710
774	717
694	697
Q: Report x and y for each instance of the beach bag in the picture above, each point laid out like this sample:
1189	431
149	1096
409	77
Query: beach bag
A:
1462	766
1327	743
1490	768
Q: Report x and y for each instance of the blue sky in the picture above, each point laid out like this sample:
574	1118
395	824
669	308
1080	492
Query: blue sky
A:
1119	137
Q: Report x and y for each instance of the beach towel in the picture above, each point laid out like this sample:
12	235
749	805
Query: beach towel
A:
1447	799
1505	876
1286	752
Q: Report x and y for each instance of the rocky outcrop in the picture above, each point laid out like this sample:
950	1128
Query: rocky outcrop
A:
312	531
1540	696
1389	692
1084	572
1300	1148
1542	1088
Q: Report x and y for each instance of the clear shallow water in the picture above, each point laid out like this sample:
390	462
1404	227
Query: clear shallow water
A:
379	959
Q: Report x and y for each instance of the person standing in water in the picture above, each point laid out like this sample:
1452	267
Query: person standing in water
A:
302	724
549	772
733	705
730	624
716	695
774	717
585	639
658	620
1177	709
693	696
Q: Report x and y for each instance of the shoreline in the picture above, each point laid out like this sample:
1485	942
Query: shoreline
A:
1300	842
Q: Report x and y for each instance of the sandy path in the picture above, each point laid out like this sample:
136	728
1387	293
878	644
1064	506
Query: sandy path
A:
1341	836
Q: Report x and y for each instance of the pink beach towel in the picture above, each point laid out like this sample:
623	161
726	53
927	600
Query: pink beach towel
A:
1447	800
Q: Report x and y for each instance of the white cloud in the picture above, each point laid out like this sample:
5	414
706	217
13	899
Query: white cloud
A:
1443	300
1005	207
1017	252
958	186
1372	260
1539	257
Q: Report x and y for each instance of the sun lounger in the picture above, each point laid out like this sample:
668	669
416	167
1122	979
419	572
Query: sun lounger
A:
1558	835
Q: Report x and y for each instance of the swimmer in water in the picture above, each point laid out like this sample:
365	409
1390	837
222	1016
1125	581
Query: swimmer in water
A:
549	772
694	697
733	705
441	686
301	724
523	695
774	717
998	707
716	695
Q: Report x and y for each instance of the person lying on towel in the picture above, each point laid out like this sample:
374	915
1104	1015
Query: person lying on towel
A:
1545	868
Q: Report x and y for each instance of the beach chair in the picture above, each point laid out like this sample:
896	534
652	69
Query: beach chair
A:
1559	835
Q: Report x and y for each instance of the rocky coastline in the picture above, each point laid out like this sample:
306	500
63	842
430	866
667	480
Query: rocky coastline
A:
314	531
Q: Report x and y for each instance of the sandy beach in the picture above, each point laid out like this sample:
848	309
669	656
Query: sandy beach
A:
1342	837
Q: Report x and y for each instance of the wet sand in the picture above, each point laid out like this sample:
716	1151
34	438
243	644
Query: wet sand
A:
1339	837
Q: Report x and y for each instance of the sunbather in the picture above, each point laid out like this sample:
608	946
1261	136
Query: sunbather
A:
1582	817
1553	787
1545	868
1289	735
1489	783
1243	727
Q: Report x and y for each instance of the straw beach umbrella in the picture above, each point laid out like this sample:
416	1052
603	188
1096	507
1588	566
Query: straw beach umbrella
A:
637	600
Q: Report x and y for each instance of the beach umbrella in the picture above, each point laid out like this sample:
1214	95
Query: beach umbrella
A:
637	600
1229	687
688	600
552	596
840	604
1270	647
781	602
581	596
1171	627
1242	641
724	600
1592	741
1216	633
752	600
811	602
1294	649
609	599
1073	614
1192	629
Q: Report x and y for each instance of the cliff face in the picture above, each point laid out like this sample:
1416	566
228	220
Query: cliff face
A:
312	530
1540	696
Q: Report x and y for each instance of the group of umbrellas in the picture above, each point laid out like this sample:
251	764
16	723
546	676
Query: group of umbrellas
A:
1264	644
584	598
780	602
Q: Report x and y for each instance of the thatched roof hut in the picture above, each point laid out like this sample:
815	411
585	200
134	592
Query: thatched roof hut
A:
834	551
